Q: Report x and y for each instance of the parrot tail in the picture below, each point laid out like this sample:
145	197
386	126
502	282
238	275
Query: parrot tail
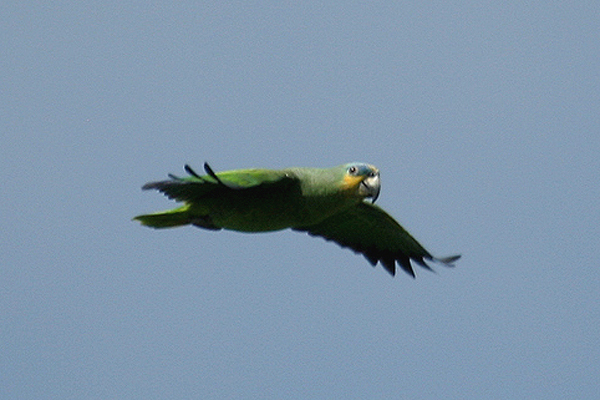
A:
166	219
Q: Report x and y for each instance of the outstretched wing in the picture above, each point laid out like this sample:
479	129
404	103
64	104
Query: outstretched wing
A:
195	187
369	230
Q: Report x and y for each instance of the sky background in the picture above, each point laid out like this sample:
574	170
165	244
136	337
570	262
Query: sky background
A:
483	117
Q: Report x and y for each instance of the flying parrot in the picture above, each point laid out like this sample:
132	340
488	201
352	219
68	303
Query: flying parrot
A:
322	202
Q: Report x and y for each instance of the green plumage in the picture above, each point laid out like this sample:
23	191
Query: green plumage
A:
323	202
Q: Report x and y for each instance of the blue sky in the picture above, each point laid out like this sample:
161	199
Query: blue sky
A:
483	118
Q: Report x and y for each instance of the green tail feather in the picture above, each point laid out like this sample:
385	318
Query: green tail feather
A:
166	219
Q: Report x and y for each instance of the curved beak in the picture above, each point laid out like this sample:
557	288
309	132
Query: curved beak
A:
370	186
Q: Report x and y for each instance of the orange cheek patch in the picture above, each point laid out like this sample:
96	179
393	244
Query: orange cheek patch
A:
351	182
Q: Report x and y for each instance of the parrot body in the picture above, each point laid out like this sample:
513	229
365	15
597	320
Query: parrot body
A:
323	202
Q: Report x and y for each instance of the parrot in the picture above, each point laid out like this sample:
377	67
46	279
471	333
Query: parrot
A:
326	202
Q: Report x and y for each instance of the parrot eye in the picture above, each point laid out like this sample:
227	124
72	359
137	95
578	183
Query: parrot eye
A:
352	170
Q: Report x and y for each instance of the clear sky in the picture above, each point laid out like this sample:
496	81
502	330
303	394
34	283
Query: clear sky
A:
483	117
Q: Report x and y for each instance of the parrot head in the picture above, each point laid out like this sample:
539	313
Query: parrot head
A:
363	180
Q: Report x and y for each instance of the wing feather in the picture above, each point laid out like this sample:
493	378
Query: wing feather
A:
369	230
195	187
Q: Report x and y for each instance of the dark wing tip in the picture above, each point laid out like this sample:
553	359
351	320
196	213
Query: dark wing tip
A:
404	262
190	171
213	175
160	185
422	263
371	256
153	185
209	171
389	264
448	261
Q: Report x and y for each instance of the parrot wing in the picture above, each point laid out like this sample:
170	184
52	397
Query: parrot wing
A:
195	187
369	230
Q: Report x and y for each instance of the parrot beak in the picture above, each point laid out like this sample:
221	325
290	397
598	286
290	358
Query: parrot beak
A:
370	186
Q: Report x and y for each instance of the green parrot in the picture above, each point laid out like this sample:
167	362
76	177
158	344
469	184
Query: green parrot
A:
322	202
